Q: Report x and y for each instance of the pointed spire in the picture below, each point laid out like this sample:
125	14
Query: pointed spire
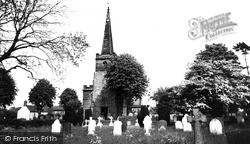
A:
107	46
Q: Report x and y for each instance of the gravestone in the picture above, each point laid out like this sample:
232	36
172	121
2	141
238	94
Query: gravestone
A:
56	126
129	123
187	127
240	116
99	122
147	124
24	113
215	126
162	125
136	123
91	126
85	123
197	119
178	125
67	128
117	128
124	122
111	121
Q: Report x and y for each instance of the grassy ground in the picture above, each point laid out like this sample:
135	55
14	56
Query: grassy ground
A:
135	135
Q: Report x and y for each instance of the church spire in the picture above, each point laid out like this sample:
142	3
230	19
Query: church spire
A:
107	46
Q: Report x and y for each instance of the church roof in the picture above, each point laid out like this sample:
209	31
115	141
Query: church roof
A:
107	46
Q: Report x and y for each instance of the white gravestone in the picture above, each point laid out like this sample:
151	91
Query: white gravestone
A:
86	123
178	125
56	126
117	128
24	113
91	126
99	122
187	127
215	126
136	123
147	124
111	121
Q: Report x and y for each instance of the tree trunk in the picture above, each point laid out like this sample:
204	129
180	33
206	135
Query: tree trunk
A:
124	110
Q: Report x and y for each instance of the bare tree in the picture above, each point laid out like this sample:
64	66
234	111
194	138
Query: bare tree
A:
27	39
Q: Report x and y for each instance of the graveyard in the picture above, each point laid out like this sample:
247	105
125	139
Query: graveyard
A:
154	132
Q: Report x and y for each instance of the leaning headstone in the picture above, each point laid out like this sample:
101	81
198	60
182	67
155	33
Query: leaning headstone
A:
117	128
178	125
111	121
67	128
147	124
56	126
215	126
99	122
91	126
162	125
187	127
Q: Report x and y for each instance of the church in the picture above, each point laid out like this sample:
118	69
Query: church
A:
91	99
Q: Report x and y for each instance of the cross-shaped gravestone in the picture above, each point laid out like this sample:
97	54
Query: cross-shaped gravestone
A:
111	121
99	122
85	124
198	118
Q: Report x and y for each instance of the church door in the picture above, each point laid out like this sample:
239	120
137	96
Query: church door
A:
104	112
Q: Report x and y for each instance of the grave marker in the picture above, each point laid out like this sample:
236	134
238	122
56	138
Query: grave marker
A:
147	124
215	126
91	126
117	128
56	126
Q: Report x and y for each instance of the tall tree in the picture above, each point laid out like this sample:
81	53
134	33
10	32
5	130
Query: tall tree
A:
28	39
42	94
7	88
168	100
69	101
244	48
125	78
214	81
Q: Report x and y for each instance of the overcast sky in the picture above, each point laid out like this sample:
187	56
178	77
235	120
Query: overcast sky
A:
155	32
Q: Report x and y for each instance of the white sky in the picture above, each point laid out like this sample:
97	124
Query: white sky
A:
154	32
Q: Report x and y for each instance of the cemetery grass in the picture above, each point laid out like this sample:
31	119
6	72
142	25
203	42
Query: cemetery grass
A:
133	135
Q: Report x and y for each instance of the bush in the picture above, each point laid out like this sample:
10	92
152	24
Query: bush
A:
141	115
17	123
8	114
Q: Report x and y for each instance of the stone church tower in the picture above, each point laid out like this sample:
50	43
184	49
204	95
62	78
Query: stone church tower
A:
91	93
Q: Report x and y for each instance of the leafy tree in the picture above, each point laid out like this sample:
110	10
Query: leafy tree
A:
42	94
125	78
244	48
28	40
168	100
214	81
7	88
69	101
67	95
